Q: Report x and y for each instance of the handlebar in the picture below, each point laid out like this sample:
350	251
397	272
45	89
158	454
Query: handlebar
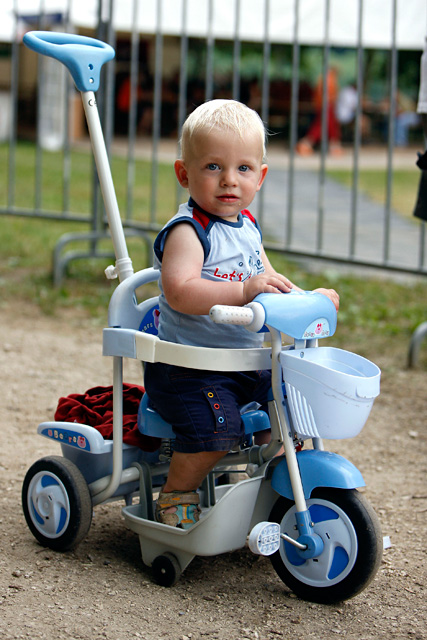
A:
301	315
83	56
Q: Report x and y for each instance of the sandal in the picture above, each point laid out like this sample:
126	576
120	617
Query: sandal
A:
178	508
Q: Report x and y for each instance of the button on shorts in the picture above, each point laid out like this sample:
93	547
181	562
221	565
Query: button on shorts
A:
203	407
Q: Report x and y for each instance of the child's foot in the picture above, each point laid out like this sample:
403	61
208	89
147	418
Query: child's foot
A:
178	508
336	149
304	148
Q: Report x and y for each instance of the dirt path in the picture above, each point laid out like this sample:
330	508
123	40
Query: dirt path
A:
102	590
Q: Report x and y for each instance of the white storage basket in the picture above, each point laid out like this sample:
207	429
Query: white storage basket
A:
330	391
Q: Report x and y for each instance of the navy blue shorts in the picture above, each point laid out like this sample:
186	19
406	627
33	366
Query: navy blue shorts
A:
203	406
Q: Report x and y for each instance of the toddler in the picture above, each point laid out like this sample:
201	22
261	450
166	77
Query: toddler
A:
210	253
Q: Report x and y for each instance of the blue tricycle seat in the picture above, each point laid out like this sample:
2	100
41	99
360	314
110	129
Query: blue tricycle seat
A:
150	423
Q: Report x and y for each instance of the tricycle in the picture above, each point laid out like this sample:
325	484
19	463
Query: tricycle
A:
297	504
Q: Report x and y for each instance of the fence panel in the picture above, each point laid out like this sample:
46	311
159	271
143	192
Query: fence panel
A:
167	64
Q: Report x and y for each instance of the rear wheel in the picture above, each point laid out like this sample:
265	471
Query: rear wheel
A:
352	549
56	503
166	570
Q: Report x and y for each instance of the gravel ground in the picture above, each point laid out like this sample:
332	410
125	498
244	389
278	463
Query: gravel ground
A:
103	590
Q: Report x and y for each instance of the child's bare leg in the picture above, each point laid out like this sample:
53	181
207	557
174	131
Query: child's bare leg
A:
188	470
262	437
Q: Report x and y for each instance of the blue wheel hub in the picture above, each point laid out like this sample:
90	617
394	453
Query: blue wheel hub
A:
338	548
48	504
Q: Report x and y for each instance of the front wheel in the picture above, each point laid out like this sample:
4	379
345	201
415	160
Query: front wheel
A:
352	550
56	503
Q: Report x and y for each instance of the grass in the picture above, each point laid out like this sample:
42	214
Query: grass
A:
27	244
373	182
373	311
51	169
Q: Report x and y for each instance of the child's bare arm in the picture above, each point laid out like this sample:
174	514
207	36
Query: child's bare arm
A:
329	293
187	292
332	295
270	269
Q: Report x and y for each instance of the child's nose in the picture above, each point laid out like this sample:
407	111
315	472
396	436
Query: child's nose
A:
228	177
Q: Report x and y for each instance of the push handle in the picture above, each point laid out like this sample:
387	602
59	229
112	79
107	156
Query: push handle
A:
83	56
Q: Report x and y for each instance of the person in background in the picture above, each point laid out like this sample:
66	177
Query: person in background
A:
346	109
313	137
406	118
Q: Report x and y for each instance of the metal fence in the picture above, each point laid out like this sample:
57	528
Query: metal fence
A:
304	212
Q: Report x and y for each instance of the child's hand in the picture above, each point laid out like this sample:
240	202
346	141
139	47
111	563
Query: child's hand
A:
265	283
332	295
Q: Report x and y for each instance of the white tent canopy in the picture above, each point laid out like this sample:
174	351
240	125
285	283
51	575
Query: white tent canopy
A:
219	19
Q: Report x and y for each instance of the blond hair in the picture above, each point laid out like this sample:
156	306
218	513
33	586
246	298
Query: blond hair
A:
225	115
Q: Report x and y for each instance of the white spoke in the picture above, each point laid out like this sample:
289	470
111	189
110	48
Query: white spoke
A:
50	503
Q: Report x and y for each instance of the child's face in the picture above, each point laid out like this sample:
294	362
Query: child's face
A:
222	172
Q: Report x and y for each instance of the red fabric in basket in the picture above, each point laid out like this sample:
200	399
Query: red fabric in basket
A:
95	408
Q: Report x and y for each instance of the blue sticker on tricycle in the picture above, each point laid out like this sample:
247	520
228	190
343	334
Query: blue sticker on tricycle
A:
66	436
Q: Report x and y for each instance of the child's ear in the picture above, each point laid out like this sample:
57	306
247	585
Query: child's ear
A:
181	173
263	173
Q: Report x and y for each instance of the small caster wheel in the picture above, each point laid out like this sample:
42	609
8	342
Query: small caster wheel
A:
166	570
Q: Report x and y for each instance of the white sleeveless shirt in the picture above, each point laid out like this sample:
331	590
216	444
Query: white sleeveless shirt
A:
232	251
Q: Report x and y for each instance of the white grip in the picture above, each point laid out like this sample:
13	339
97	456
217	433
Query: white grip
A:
223	314
251	316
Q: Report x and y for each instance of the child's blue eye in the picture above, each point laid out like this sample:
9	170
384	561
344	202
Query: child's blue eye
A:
243	168
212	166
